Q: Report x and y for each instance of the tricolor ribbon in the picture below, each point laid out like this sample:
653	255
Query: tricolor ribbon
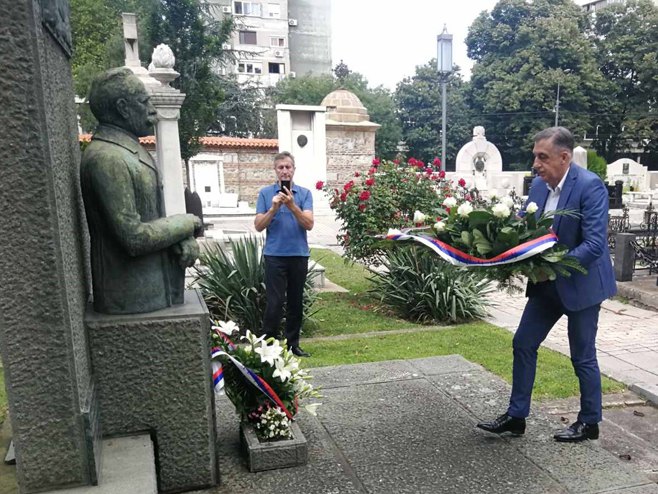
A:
254	379
458	258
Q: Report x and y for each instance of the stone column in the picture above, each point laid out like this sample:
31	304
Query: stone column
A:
168	102
43	344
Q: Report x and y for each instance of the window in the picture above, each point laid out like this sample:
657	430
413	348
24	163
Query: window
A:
250	68
247	8
276	68
277	42
273	10
207	188
248	38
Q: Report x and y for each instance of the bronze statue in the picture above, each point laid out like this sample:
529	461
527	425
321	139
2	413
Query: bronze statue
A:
138	256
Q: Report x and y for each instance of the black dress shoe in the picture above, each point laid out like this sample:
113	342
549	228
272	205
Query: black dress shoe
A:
504	423
578	431
298	351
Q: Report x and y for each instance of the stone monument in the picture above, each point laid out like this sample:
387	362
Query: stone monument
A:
479	159
150	351
138	256
53	398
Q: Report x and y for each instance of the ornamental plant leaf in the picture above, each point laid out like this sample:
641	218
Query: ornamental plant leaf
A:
508	236
480	242
467	238
479	218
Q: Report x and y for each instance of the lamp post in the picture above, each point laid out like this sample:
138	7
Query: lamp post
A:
557	105
444	68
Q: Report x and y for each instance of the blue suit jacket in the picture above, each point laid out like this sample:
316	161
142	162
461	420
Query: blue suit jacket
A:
586	237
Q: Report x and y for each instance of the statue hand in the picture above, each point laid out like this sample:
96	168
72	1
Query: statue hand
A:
187	251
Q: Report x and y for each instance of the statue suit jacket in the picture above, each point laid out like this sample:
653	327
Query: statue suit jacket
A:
133	269
586	237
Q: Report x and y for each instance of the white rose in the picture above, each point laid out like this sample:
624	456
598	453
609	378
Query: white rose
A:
500	211
419	217
464	209
439	226
450	202
532	208
507	201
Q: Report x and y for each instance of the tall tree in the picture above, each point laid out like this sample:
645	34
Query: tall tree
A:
244	112
419	106
524	51
626	38
196	38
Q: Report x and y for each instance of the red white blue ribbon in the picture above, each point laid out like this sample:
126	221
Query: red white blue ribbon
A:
218	377
254	379
458	258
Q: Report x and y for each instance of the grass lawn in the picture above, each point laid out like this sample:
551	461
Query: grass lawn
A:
358	312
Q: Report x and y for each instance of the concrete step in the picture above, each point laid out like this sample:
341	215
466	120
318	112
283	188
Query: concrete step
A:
127	467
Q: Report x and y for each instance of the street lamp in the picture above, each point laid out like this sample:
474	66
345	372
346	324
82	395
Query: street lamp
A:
444	68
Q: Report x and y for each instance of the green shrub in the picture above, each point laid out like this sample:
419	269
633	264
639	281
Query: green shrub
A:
233	284
420	288
597	164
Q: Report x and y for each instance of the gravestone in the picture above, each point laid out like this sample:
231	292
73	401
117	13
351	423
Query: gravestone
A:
479	159
630	172
53	404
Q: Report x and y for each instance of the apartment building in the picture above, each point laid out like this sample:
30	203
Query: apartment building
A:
277	38
594	5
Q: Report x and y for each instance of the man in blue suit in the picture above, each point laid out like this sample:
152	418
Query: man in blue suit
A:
561	184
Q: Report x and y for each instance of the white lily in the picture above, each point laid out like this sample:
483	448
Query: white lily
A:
281	371
464	209
269	353
252	338
227	327
531	208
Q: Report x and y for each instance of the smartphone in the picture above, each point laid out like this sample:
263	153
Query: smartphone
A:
286	184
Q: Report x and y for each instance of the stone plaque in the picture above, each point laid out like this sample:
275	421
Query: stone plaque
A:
625	167
55	16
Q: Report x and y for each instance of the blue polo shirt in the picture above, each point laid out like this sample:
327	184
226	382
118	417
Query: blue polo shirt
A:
285	236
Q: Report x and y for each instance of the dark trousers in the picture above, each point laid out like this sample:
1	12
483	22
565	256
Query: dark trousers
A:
284	283
540	315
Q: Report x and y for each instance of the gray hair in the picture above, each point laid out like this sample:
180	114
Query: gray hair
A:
561	137
283	155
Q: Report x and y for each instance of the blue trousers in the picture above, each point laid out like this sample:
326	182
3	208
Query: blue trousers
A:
540	315
284	284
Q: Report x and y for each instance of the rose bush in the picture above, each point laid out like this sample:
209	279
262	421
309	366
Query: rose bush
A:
386	196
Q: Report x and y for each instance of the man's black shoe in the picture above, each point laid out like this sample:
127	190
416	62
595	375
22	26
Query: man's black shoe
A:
578	431
504	423
298	351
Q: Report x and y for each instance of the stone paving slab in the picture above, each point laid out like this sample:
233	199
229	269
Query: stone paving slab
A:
409	427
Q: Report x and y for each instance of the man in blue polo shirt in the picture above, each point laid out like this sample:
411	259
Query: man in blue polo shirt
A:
287	213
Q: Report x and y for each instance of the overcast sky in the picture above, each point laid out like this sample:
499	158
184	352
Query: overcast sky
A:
385	41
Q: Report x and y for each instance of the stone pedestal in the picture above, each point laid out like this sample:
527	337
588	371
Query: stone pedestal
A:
154	375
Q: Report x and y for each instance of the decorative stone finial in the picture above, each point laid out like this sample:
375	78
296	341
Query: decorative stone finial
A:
162	64
163	57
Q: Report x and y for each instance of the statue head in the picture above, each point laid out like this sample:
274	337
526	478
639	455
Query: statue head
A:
118	97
